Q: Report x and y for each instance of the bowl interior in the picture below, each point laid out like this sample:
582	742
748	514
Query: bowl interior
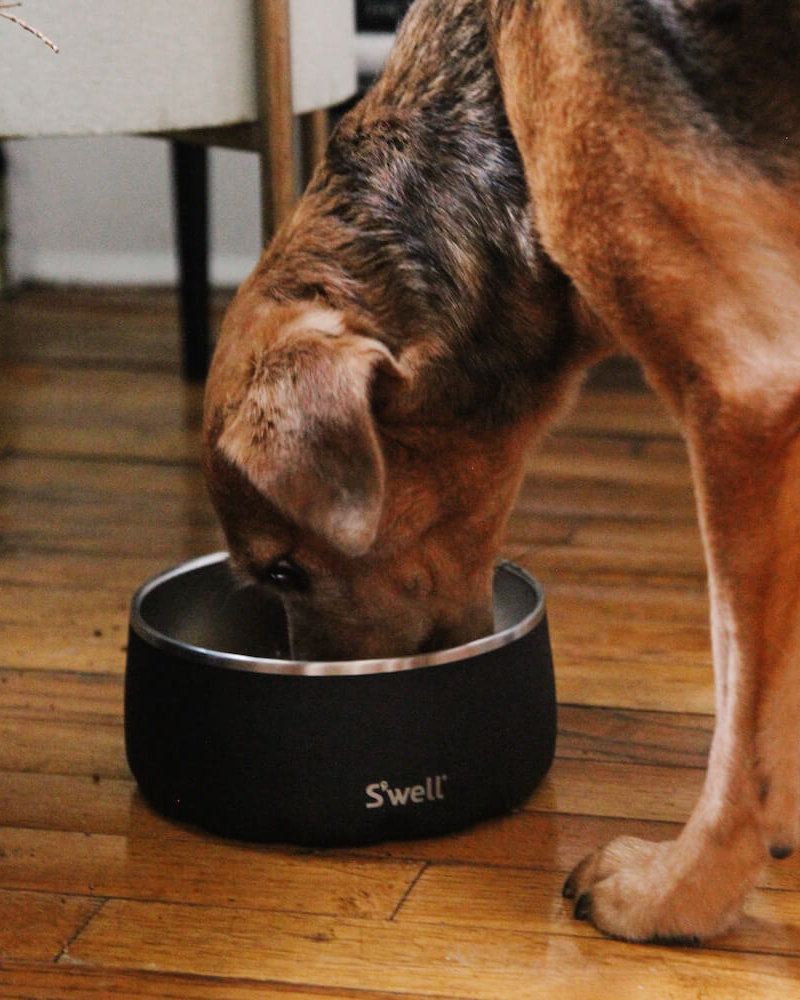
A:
205	607
208	607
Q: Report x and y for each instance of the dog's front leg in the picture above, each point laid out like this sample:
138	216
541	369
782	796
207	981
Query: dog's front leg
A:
691	259
748	487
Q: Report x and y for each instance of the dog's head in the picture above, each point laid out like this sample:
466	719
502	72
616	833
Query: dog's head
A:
377	528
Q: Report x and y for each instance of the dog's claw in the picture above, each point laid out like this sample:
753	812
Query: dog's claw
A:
583	907
568	890
780	851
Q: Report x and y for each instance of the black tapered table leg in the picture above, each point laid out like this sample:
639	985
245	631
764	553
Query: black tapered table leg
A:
190	186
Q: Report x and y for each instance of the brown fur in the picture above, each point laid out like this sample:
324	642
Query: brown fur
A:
530	183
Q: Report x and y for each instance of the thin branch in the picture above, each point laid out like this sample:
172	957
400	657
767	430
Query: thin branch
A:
25	25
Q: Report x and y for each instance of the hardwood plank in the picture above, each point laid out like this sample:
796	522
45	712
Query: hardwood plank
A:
654	553
575	459
81	479
65	982
605	498
568	441
143	415
546	841
112	806
657	684
47	568
633	737
68	609
431	959
577	473
541	840
63	791
188	870
631	682
526	839
576	562
681	540
109	806
55	747
94	699
619	414
103	803
665	624
35	926
673	600
72	803
613	789
65	629
537	530
98	327
52	505
603	636
508	899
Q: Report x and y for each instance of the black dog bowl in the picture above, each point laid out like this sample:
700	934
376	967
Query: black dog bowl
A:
224	732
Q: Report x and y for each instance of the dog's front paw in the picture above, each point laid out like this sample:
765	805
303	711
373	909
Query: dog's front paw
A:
640	891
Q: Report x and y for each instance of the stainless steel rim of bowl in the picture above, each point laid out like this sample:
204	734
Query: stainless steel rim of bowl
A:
325	668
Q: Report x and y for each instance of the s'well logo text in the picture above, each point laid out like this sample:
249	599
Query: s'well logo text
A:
380	793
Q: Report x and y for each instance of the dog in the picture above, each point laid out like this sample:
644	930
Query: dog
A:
530	185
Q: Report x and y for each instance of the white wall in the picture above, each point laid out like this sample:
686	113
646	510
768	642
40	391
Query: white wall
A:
99	211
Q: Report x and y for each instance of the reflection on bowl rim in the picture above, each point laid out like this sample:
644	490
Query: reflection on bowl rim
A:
325	668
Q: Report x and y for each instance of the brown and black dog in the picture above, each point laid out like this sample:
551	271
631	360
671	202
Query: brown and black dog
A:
530	184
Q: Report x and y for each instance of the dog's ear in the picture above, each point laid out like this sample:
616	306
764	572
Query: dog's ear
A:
303	431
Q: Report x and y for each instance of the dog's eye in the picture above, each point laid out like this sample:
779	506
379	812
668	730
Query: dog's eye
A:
284	574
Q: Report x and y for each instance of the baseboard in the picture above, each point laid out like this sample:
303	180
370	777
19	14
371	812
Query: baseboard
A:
157	268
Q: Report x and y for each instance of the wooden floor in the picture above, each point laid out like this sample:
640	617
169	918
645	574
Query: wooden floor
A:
99	897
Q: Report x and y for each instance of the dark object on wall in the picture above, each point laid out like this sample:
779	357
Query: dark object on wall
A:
380	15
3	225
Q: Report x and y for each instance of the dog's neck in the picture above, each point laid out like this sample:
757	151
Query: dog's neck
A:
419	222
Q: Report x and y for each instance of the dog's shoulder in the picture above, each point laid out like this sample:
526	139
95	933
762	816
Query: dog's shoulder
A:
727	69
719	71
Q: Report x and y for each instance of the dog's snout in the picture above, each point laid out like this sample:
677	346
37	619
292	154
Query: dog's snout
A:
326	637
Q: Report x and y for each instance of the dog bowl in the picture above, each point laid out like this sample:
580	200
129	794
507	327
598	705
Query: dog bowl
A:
224	732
